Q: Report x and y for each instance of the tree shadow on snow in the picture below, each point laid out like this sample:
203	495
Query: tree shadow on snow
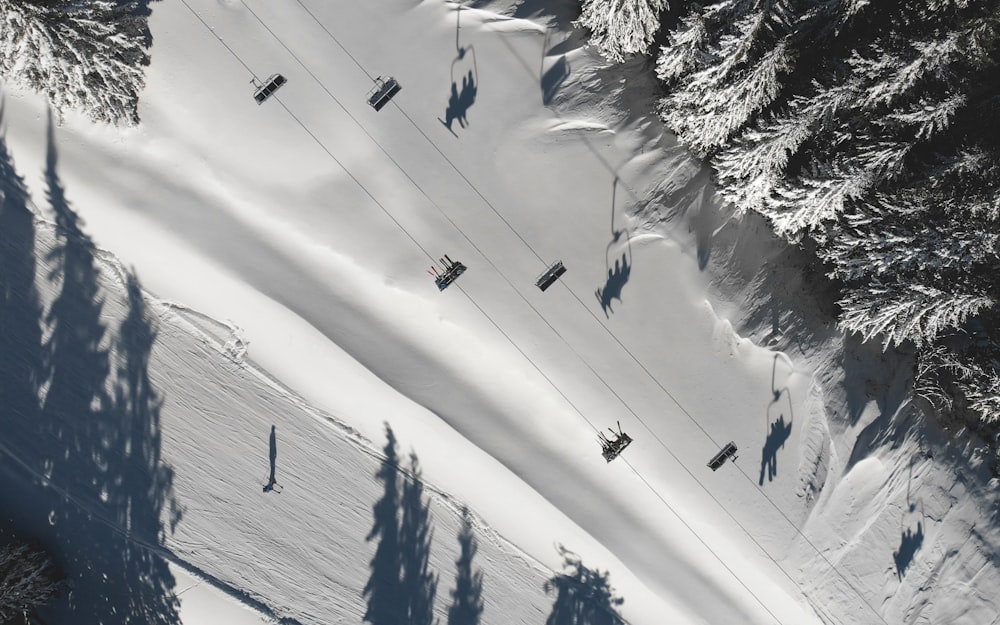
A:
401	588
86	475
467	597
584	596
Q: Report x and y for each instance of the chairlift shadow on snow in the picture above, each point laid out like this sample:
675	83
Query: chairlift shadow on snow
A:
910	540
778	430
82	462
552	79
620	271
464	64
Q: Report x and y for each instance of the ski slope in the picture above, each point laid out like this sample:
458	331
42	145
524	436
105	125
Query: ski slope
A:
286	247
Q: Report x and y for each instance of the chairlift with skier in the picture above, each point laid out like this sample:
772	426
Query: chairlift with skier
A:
612	447
450	272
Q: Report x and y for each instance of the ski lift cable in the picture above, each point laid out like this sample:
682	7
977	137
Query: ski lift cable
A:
310	132
530	248
517	347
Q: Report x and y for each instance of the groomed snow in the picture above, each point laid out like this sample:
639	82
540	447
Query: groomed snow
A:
285	250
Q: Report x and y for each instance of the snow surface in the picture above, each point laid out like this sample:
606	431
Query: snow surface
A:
285	249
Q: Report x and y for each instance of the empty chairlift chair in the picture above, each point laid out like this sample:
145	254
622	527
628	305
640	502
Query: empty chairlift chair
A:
383	91
264	91
719	459
551	274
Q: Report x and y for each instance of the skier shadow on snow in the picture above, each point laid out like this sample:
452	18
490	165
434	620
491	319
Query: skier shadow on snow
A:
618	275
401	588
460	101
779	431
82	467
272	454
583	596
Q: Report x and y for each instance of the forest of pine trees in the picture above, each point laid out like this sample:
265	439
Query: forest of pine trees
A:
87	55
866	131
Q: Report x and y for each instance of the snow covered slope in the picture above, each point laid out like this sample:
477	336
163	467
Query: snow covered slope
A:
287	246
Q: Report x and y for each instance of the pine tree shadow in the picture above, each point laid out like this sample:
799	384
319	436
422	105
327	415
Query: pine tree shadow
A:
20	310
467	597
87	477
401	588
584	596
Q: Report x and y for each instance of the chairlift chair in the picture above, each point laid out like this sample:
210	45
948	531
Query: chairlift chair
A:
264	91
452	270
551	274
611	448
383	91
728	452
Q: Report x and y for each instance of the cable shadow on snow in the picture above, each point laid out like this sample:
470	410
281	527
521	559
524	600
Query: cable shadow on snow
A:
82	465
467	597
583	596
401	588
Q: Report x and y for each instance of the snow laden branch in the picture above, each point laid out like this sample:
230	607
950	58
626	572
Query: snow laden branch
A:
26	580
87	56
904	312
621	28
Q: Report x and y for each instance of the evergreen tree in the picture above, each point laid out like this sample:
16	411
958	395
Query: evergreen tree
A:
82	54
27	580
621	28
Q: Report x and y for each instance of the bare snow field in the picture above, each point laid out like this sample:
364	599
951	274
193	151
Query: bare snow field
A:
233	292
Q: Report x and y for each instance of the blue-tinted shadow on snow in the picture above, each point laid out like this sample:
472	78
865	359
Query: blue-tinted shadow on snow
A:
583	596
612	290
467	596
776	437
620	271
909	543
82	470
401	588
461	100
